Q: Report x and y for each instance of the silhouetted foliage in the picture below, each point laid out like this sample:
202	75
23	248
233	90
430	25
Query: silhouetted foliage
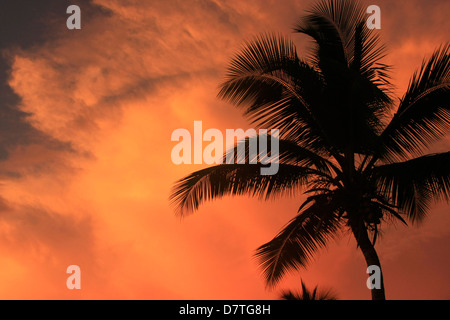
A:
357	164
307	294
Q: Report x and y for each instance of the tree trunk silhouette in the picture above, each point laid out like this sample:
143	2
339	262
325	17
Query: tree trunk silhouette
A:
371	257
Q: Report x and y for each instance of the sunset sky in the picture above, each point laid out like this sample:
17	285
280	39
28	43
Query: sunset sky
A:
86	118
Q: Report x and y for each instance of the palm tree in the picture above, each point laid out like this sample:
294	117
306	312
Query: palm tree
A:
340	142
307	294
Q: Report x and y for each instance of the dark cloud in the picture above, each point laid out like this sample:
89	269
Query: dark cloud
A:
25	24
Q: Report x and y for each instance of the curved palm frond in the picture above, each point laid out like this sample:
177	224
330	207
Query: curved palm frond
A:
331	24
366	56
413	184
236	179
294	246
338	28
276	88
423	115
289	153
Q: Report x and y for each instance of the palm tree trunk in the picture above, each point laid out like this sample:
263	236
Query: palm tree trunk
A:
371	257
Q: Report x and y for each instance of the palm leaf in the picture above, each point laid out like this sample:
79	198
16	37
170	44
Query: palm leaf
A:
236	179
423	115
289	153
413	184
294	246
276	88
338	28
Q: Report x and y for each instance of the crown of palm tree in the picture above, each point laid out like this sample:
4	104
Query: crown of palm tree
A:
339	143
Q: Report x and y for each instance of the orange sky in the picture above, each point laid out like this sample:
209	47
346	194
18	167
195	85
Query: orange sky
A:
95	194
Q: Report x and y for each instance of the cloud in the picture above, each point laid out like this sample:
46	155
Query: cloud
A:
38	245
32	228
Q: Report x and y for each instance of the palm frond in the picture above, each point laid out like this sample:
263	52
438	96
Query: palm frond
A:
423	115
289	153
236	179
294	246
275	88
367	54
338	28
331	24
413	184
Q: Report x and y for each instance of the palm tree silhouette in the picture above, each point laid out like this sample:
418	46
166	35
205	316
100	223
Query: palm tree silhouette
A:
307	294
339	142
